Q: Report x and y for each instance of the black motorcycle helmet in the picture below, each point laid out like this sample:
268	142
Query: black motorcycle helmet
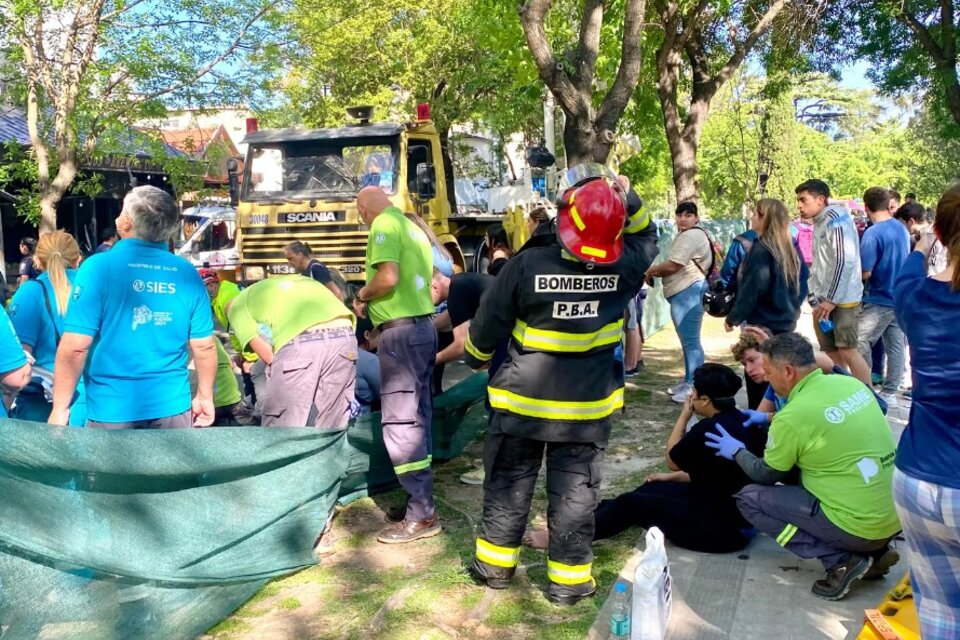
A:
717	301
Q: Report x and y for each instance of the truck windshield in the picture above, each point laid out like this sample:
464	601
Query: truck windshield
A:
334	168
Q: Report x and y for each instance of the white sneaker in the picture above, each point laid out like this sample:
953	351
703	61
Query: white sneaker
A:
890	399
677	386
682	392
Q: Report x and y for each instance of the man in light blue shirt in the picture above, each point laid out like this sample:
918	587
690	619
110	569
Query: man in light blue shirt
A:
133	312
14	367
883	250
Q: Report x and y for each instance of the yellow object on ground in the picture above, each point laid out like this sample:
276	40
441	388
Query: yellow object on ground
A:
895	618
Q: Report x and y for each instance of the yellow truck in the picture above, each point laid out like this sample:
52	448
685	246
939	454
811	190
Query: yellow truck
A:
301	184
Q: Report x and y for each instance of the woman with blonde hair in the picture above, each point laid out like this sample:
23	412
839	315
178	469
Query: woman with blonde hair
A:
772	284
37	311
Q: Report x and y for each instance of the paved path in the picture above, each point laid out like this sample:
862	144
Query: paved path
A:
763	592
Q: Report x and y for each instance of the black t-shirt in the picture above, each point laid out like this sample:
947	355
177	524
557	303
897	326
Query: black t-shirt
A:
464	298
318	272
712	478
28	268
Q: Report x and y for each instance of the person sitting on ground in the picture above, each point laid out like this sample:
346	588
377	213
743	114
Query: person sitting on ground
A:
831	430
107	239
305	335
37	312
498	248
300	257
746	351
693	505
228	411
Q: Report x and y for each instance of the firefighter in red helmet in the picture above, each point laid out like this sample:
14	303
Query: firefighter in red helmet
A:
559	302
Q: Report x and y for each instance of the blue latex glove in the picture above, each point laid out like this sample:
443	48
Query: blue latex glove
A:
754	417
725	444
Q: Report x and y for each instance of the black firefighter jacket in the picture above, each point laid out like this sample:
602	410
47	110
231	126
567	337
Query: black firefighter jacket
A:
563	319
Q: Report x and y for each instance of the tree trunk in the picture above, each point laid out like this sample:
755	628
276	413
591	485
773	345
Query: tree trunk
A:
583	143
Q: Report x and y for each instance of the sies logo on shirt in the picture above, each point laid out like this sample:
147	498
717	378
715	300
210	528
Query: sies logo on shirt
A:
77	290
154	286
12	310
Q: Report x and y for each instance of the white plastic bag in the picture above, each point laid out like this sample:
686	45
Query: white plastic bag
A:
652	592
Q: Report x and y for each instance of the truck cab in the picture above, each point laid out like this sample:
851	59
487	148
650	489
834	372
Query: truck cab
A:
208	238
302	185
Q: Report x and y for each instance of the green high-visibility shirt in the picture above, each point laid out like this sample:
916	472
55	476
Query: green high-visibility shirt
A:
279	309
226	390
833	430
394	238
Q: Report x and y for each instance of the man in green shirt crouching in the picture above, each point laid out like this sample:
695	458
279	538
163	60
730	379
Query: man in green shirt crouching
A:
304	335
833	431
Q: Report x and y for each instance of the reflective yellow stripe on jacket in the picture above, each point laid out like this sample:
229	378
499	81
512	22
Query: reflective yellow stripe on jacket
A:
490	553
471	348
568	573
555	409
566	342
637	222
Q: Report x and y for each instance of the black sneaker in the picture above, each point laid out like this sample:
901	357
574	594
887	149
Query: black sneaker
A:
882	563
571	594
838	580
493	577
632	373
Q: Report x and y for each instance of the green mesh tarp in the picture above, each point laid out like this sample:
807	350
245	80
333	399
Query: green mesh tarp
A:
161	534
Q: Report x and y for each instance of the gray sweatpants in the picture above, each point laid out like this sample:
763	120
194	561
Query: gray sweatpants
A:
407	355
311	380
791	515
180	421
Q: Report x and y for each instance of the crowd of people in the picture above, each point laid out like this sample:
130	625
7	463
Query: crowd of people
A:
809	460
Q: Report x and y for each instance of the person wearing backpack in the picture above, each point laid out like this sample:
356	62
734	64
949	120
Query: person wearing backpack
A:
772	283
37	312
802	233
685	272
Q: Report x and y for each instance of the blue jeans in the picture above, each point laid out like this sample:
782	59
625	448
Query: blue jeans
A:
686	311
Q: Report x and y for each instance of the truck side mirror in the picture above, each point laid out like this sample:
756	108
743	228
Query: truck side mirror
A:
195	250
233	181
426	181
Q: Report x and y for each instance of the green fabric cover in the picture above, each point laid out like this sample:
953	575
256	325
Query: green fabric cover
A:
161	534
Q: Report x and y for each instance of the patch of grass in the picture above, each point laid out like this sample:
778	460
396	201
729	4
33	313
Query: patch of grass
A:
229	626
289	604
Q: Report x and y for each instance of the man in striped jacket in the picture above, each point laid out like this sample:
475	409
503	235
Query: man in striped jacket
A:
836	287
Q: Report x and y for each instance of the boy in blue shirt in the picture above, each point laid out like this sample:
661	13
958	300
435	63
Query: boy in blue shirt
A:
883	250
132	313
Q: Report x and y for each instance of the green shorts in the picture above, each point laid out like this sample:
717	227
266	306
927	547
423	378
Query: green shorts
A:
846	330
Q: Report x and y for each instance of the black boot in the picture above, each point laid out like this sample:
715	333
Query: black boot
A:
493	577
570	594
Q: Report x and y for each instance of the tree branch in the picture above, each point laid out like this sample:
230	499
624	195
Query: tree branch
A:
589	47
923	35
533	15
742	49
628	74
213	63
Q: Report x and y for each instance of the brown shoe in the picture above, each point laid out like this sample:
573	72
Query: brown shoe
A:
409	530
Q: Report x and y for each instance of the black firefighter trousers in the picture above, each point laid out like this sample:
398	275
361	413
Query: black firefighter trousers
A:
512	464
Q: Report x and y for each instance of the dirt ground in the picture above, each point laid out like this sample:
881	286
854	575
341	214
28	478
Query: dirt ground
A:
422	591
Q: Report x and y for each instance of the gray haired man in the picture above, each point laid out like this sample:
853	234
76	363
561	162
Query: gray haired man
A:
833	431
132	314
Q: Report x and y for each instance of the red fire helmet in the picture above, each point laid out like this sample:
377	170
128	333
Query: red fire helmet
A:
590	220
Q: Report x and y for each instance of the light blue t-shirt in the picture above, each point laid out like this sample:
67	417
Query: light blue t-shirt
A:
32	321
141	304
883	250
11	352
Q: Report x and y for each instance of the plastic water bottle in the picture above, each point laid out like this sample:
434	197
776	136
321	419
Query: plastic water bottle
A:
826	325
620	614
